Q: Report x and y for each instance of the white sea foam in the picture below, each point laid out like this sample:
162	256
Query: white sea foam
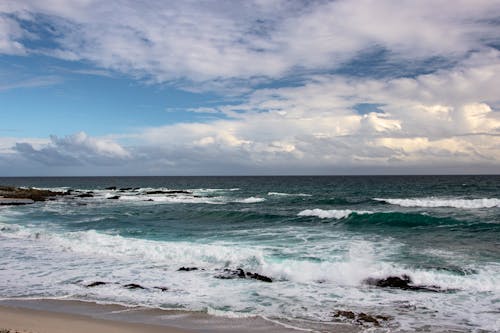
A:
250	200
433	202
330	214
289	194
91	256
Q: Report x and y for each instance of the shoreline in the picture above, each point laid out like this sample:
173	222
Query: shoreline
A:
60	316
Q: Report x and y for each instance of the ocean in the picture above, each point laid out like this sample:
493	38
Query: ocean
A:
327	243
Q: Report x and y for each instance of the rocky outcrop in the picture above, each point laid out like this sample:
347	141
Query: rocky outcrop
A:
10	195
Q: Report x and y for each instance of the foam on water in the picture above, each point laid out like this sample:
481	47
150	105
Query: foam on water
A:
433	202
57	261
250	200
281	194
330	214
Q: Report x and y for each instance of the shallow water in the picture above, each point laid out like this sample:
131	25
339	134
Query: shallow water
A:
318	238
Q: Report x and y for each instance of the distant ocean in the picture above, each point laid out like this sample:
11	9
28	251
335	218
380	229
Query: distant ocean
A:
323	241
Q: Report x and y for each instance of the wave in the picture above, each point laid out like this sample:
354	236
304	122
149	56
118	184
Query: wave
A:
384	221
282	194
250	200
331	214
361	261
433	202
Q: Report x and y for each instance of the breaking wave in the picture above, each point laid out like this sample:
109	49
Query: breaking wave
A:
433	202
330	214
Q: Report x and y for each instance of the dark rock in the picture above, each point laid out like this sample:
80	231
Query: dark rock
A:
85	195
241	274
345	314
161	288
95	284
133	286
361	318
365	318
10	192
123	189
115	197
113	188
169	192
404	282
259	277
187	269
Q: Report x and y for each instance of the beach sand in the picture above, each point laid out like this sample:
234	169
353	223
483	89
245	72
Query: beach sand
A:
62	316
36	321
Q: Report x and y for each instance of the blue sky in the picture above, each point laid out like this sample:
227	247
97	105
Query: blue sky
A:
249	87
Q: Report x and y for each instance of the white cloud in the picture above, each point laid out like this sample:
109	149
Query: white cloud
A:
203	41
450	117
10	34
76	149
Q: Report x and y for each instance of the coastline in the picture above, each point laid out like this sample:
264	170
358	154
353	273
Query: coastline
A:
61	316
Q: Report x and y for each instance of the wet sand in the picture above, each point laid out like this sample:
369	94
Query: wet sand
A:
62	316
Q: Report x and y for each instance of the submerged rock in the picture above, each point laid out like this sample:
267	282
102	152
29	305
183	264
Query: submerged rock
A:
403	282
85	195
241	274
95	284
169	192
112	188
187	269
361	318
134	286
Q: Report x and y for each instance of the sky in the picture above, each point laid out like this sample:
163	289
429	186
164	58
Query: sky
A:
257	87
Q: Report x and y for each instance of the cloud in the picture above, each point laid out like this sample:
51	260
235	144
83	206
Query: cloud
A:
217	41
76	149
10	34
40	81
294	111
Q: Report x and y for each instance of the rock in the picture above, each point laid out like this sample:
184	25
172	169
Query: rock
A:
95	284
241	274
169	192
404	282
115	197
345	314
259	277
11	192
187	269
361	318
112	188
85	195
123	189
364	318
133	286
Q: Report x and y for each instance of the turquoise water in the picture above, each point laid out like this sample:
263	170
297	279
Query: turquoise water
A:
318	238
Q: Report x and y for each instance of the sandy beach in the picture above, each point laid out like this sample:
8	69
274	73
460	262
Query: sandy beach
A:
36	321
61	316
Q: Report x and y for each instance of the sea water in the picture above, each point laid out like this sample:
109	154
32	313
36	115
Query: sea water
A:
318	238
